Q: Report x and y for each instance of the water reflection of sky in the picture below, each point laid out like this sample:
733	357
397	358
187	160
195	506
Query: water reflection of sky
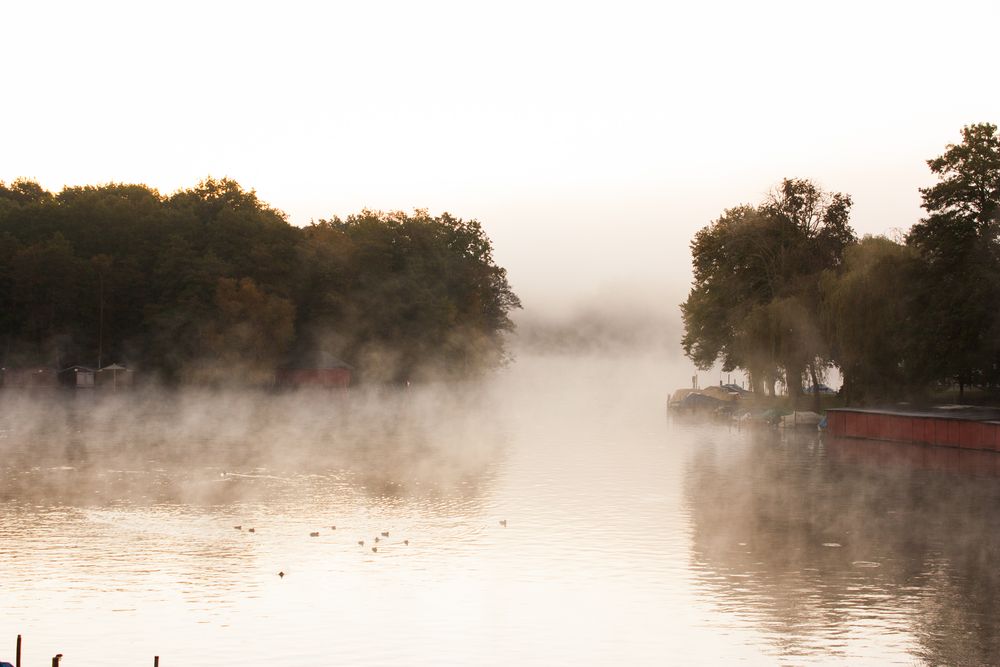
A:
630	539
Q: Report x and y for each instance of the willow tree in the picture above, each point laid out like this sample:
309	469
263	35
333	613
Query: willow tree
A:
754	301
872	318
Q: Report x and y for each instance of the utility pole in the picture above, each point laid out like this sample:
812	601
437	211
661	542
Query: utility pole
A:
102	264
100	327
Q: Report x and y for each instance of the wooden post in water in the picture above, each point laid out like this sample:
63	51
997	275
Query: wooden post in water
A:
17	653
156	661
55	659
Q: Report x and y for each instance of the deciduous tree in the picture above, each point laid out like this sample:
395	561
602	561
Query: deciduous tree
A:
871	317
754	301
959	245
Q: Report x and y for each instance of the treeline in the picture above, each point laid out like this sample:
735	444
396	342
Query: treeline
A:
784	289
210	284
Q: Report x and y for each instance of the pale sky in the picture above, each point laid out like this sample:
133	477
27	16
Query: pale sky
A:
592	140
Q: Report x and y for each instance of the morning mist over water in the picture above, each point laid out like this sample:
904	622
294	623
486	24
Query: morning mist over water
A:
444	333
134	521
628	535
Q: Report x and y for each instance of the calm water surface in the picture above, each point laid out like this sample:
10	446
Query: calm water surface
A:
630	539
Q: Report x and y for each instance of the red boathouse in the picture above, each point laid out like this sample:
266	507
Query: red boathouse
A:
964	427
322	371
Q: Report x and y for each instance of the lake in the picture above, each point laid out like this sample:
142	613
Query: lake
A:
630	538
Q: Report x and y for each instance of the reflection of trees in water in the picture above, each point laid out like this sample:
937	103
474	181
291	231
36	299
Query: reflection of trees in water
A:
957	622
144	497
219	449
913	538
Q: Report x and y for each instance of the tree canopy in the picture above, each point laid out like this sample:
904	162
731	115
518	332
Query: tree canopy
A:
210	283
959	245
785	285
406	295
869	314
753	304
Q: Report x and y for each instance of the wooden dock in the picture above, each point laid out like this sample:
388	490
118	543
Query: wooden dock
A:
57	658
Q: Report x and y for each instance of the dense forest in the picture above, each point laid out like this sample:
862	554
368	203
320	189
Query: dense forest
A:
212	285
785	289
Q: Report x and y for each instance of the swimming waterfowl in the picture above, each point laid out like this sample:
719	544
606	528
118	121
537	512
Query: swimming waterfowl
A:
385	534
251	530
313	534
406	542
503	522
376	540
361	542
238	527
333	528
374	549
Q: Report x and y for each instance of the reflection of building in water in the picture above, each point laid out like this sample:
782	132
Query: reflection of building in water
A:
913	457
823	544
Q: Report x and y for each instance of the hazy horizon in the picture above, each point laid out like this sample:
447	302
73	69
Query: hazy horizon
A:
553	511
591	141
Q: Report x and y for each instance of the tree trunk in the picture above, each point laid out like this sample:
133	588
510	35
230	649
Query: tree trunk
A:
815	387
793	382
847	386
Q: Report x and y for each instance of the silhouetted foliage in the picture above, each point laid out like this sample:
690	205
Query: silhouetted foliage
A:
211	284
959	245
871	316
406	294
784	286
754	303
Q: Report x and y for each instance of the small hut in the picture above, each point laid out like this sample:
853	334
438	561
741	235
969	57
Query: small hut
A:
77	377
320	370
114	378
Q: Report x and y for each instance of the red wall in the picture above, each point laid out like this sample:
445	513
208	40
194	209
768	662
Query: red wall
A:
903	428
329	378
